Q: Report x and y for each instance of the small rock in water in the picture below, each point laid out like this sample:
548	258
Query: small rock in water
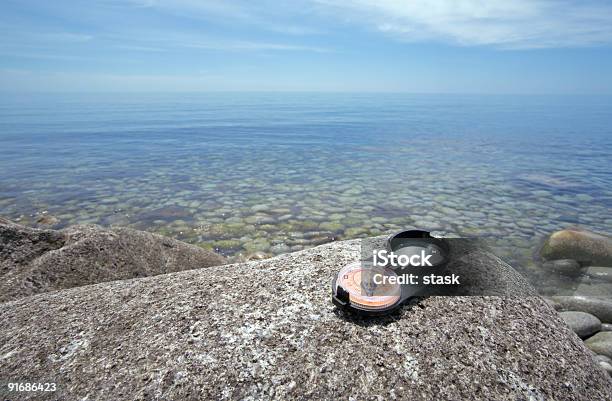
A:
258	256
554	304
593	289
47	220
601	343
564	266
602	358
583	324
599	273
260	208
606	327
580	245
280	248
606	366
171	212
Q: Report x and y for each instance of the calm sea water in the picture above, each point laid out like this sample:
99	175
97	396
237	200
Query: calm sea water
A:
277	172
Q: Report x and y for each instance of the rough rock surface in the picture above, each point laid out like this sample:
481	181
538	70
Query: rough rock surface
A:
583	324
598	307
586	247
601	343
267	330
34	261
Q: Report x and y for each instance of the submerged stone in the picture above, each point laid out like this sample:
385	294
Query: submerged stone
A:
331	226
580	245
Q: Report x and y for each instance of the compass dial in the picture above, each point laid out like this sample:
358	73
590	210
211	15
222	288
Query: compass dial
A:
369	287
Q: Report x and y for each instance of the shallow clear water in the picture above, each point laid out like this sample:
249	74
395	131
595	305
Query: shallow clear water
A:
279	172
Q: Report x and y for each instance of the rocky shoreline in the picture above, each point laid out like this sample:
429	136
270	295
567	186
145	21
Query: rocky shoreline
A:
591	320
584	256
267	330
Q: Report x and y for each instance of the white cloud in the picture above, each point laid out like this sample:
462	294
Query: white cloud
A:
514	24
268	15
138	48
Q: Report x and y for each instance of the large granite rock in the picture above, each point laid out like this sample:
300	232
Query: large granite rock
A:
34	261
583	246
267	330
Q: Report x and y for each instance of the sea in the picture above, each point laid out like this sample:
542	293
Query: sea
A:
269	173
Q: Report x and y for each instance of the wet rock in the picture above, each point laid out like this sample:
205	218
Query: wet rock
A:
33	261
583	324
553	304
260	208
168	213
593	289
599	273
260	219
258	256
568	267
602	358
606	327
238	258
280	248
601	343
598	307
257	245
606	366
47	220
354	232
227	244
583	246
336	216
306	225
320	240
331	226
317	234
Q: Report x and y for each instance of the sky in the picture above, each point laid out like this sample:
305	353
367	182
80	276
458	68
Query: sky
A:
418	46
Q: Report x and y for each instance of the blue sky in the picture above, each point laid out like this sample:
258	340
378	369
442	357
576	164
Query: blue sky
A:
439	46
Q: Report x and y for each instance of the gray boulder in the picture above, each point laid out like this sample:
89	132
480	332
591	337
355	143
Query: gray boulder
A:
602	358
601	343
598	307
34	261
568	267
599	273
267	330
583	324
580	245
606	366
